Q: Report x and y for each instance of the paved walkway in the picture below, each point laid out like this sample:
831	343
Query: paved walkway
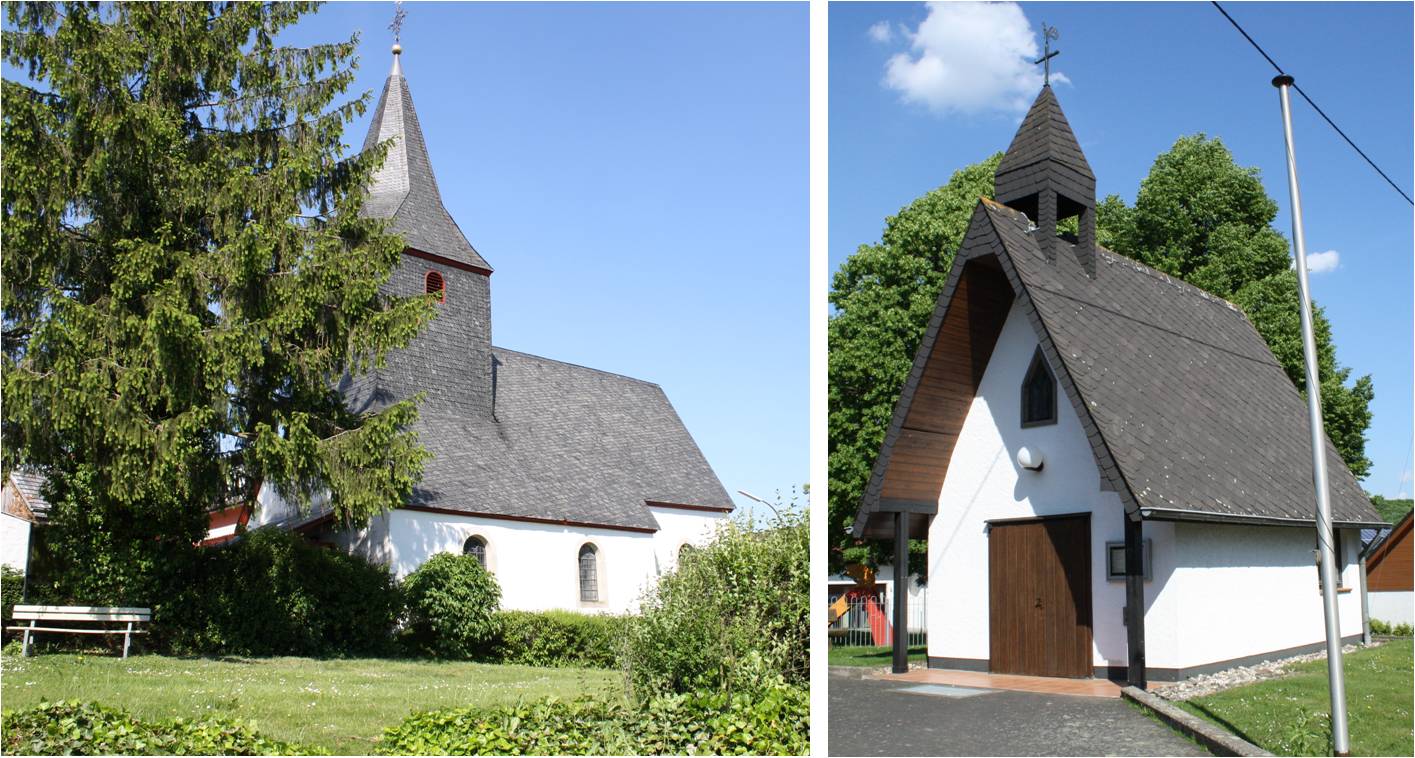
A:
1046	685
874	714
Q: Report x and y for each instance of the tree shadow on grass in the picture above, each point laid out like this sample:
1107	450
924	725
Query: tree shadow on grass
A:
1225	723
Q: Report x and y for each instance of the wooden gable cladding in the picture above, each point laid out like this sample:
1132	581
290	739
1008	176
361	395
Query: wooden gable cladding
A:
1388	569
950	378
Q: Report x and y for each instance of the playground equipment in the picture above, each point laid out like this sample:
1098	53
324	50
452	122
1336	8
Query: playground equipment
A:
862	595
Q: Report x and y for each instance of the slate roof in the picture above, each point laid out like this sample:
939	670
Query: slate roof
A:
1045	134
562	443
1188	414
568	444
29	483
404	188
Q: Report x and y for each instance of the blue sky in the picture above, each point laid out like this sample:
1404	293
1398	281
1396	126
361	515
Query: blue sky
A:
637	177
1132	78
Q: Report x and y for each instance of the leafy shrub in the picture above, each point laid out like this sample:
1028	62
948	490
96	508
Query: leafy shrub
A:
452	603
733	614
559	638
12	587
273	593
773	721
1386	628
73	728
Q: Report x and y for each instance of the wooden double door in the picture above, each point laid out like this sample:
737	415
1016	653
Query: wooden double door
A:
1039	576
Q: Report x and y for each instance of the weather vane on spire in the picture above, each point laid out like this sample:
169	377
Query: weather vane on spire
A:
1049	33
397	26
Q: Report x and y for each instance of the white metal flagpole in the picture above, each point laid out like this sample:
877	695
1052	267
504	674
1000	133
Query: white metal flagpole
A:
1327	559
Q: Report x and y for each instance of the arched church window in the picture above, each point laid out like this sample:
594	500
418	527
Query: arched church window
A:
476	546
433	284
589	574
1038	393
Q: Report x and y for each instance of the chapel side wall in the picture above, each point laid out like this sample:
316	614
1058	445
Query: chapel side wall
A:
678	527
984	482
1252	590
537	565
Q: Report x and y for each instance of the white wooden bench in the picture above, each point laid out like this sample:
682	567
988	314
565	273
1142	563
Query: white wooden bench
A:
80	614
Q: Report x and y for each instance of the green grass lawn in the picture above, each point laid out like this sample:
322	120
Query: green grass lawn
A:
1289	716
872	656
341	705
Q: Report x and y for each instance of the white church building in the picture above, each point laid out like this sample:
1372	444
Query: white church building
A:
575	487
1111	469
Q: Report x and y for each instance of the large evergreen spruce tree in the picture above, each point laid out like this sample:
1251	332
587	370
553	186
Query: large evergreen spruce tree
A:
186	277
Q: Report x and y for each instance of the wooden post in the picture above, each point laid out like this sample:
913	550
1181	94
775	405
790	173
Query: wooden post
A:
1135	601
901	592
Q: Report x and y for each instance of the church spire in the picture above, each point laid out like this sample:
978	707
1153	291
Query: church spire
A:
404	188
1045	175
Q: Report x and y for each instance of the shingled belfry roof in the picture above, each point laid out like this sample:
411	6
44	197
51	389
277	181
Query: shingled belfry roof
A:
559	443
404	188
1188	414
1045	134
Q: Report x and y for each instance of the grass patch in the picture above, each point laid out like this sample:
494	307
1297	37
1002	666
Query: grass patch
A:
1290	716
340	705
841	655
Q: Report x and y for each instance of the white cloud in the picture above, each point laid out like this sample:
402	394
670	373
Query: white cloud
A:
881	32
1320	263
969	58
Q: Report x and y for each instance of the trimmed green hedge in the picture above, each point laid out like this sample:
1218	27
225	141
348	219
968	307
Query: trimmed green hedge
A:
74	728
772	721
273	593
12	587
452	603
559	638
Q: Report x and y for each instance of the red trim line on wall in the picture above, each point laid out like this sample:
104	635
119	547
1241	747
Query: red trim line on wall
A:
529	519
435	258
687	507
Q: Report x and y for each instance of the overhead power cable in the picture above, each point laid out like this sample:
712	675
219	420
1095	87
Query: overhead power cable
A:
1315	107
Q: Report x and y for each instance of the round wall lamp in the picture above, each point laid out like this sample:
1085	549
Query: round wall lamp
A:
1030	459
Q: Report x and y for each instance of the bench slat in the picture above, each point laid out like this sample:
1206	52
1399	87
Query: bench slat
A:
75	631
24	616
79	609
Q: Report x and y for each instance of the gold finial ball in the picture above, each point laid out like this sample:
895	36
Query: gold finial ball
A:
397	49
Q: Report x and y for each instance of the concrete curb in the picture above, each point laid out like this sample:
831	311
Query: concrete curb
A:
1212	737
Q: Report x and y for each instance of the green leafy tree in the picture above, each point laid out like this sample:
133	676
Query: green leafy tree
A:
1392	509
1201	217
883	296
186	273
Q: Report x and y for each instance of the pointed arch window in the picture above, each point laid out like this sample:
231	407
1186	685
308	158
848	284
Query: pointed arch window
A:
434	284
1038	393
589	573
475	546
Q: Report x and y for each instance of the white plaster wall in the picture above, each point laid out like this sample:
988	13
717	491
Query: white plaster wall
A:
1248	590
678	527
537	565
14	541
1393	607
984	482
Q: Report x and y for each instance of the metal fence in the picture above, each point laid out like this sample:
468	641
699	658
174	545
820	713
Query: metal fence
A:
867	622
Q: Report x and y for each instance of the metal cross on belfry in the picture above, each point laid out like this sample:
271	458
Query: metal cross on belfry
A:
397	26
1049	33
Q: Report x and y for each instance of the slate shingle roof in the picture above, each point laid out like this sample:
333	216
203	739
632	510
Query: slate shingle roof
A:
404	188
1194	409
29	483
568	443
1188	414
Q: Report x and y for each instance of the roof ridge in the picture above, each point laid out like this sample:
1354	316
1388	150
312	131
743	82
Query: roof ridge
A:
578	365
1141	267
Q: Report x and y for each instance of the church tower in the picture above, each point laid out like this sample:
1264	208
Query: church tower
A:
451	359
1045	175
